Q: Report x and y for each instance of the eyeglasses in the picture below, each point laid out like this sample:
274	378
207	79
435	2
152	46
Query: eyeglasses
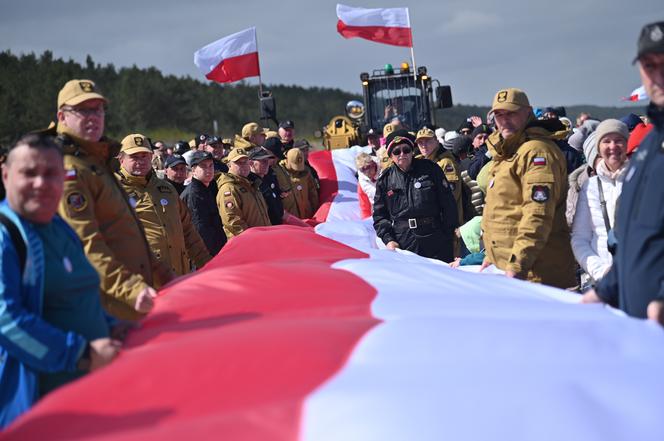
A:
399	150
84	111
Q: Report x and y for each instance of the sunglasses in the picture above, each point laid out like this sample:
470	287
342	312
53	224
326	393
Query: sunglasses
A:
399	150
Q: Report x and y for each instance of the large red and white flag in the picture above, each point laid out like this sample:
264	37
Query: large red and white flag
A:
638	94
231	58
295	335
383	25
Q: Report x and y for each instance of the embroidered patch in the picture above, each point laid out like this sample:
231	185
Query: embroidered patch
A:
539	160
449	168
229	204
76	201
540	193
164	189
227	193
70	175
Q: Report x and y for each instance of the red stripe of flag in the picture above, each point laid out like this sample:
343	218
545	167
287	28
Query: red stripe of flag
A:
235	68
396	36
230	352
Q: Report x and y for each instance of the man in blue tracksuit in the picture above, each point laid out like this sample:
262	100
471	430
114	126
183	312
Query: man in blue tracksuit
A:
52	326
636	280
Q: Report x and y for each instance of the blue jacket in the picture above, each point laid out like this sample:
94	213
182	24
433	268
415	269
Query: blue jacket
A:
637	275
28	345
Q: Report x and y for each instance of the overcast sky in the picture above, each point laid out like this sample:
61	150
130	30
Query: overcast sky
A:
560	52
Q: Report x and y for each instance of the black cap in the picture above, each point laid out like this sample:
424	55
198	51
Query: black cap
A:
197	157
288	124
651	40
200	139
275	146
181	147
465	125
461	144
403	134
258	153
174	160
214	140
482	128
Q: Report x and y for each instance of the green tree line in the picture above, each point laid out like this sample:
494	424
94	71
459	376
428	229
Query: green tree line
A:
169	107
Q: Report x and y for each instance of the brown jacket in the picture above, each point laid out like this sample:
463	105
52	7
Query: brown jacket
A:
524	217
303	200
96	207
166	221
448	164
241	204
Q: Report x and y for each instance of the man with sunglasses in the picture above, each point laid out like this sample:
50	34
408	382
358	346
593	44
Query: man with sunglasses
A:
414	208
96	207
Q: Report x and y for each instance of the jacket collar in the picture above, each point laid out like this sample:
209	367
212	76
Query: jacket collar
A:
104	149
656	115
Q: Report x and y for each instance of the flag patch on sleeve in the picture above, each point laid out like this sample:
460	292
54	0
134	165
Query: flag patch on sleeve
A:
539	160
70	175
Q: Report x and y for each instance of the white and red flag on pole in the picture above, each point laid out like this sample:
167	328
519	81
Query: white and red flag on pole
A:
638	94
383	25
231	58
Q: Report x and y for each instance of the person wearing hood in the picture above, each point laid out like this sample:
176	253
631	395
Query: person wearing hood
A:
595	209
578	177
523	220
240	201
166	219
303	199
635	281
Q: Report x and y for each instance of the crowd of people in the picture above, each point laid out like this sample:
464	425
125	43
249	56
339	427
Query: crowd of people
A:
92	227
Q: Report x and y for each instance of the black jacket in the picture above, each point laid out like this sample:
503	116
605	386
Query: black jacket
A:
270	189
205	214
637	275
416	209
479	160
178	187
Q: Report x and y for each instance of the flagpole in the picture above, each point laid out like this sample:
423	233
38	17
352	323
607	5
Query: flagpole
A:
412	46
260	81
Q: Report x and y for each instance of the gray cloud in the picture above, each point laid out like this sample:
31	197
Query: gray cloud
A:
565	52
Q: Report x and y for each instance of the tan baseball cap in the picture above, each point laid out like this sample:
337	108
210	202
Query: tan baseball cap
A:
76	91
251	129
510	99
135	143
389	128
425	132
237	153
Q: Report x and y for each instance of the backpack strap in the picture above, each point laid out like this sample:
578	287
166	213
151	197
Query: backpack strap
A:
602	203
17	239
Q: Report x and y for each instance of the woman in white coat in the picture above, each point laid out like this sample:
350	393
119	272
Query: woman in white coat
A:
596	207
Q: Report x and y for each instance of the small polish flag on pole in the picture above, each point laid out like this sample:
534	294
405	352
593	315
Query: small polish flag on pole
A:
385	25
638	94
231	58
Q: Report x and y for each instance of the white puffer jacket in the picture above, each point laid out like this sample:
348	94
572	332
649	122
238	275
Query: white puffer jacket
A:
589	236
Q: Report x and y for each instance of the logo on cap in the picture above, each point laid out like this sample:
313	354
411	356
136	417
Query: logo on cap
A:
138	140
502	96
656	34
86	86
